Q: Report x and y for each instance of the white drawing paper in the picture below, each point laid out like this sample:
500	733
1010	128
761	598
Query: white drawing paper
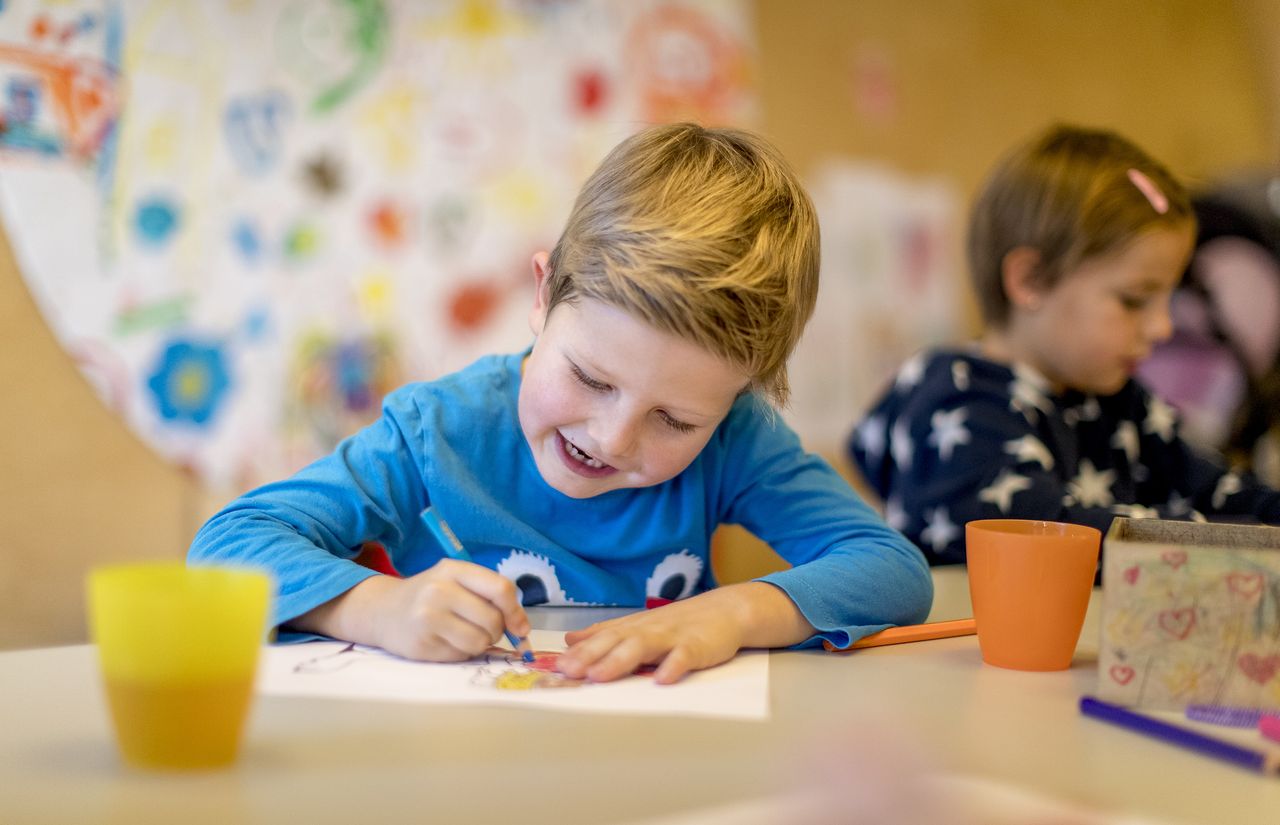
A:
738	689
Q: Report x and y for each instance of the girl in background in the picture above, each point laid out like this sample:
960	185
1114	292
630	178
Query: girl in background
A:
1076	243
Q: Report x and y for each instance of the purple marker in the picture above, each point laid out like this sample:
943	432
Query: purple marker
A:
1230	717
1260	761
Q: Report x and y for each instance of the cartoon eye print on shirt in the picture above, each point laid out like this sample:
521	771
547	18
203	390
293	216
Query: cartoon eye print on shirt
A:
536	578
675	577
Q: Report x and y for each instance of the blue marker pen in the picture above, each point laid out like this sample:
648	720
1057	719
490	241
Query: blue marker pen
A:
454	549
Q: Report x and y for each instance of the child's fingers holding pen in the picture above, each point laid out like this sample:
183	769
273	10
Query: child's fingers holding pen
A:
475	623
435	616
494	588
506	599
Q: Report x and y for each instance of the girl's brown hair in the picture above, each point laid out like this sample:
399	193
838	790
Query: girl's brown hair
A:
1070	194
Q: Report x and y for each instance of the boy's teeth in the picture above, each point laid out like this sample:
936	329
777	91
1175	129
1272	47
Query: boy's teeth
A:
581	456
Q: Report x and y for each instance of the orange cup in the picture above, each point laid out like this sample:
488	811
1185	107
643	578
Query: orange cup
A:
1030	583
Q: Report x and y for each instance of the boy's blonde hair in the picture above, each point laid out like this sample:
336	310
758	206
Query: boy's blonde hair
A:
1070	194
702	233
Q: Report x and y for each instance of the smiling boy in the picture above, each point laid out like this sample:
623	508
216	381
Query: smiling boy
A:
594	467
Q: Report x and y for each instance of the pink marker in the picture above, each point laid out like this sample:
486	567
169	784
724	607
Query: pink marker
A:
1269	725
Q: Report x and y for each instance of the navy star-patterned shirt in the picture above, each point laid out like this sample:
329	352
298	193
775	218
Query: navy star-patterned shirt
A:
957	437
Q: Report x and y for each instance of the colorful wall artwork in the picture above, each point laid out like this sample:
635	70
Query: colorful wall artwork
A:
892	282
247	221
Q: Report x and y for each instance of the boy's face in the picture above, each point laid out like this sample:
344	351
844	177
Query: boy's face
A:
1090	330
608	402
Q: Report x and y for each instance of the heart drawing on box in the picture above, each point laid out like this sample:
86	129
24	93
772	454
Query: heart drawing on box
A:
1259	668
1174	558
1245	584
1178	623
1131	574
1122	674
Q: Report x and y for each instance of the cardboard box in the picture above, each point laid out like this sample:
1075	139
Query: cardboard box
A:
1190	615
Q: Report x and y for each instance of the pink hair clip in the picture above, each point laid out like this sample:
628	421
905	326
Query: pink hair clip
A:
1152	192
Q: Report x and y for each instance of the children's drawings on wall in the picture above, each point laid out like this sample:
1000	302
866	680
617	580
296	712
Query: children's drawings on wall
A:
248	221
891	284
737	689
59	76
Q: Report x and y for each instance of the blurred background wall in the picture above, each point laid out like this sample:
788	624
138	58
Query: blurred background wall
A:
929	93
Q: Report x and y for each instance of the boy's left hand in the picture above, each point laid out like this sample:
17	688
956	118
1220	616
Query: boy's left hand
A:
686	635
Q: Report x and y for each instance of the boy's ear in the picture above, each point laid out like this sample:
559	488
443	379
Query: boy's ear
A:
1019	271
541	292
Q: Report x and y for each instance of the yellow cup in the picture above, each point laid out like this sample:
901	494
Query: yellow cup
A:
178	647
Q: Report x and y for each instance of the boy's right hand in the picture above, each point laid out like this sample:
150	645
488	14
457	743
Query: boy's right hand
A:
448	613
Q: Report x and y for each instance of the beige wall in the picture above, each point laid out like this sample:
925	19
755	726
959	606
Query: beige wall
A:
75	485
1195	82
1192	81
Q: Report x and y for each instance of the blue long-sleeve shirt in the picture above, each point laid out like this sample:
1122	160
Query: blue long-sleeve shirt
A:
456	444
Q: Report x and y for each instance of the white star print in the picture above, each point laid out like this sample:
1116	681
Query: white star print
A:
1126	438
911	372
1030	448
1228	486
1135	511
900	445
1004	488
1160	420
1092	487
949	431
960	374
1027	394
871	436
1086	410
894	515
940	530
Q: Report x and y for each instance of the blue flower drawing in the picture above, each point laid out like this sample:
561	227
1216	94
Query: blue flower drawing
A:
156	221
189	382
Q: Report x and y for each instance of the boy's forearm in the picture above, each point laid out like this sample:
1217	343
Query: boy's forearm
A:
767	615
349	616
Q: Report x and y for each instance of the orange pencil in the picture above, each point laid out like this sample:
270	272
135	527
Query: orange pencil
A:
912	633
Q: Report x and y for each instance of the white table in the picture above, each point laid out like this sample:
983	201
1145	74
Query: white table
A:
310	761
